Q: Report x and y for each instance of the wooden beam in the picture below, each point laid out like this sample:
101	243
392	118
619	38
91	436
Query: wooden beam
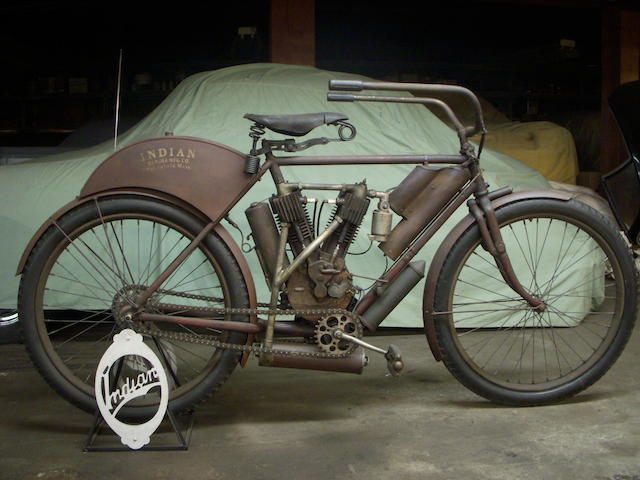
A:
620	64
629	46
293	32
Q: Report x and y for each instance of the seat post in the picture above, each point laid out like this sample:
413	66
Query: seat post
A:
276	172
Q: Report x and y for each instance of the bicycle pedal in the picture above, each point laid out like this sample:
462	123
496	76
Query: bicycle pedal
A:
395	365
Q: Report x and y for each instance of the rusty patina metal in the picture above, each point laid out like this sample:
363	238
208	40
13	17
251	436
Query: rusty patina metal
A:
207	175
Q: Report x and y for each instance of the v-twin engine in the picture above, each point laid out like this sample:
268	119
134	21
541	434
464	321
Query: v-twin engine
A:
323	281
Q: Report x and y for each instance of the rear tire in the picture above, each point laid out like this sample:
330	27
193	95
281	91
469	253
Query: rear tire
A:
74	282
571	257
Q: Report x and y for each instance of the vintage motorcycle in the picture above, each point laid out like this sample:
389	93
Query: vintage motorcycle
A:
529	299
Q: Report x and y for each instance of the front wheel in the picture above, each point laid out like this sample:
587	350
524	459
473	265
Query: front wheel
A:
574	260
91	264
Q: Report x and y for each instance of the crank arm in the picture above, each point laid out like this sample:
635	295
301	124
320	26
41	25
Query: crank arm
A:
393	354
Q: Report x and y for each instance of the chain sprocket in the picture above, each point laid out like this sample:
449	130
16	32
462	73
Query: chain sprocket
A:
324	333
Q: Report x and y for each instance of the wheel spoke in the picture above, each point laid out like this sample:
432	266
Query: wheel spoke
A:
71	323
99	268
502	338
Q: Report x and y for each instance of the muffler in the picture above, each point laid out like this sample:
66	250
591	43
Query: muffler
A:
354	363
393	294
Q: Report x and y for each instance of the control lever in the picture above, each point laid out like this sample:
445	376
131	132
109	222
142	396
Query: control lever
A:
392	354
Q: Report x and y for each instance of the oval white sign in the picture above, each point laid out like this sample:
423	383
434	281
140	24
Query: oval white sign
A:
110	400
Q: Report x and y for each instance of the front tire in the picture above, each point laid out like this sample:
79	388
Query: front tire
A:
572	258
99	256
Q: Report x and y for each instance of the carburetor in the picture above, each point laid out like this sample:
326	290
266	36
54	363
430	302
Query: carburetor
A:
382	217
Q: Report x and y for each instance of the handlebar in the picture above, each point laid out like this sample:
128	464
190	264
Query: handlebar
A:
359	85
341	97
346	85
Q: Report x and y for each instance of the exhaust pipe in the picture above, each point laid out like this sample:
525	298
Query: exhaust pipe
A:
354	363
393	294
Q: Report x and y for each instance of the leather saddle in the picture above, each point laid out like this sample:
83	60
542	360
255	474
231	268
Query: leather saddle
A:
296	125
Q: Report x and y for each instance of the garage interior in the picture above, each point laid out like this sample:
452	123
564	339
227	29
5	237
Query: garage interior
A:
548	64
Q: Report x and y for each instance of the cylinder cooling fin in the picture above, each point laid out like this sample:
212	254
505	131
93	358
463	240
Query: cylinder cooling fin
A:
351	210
289	208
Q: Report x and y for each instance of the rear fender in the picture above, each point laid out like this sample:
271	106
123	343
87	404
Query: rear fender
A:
208	175
447	244
165	197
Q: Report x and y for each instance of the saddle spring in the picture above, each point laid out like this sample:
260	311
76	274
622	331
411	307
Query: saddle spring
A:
252	163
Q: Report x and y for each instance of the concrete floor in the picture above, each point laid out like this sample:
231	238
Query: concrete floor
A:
276	423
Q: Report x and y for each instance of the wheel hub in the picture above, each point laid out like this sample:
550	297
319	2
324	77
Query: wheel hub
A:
123	306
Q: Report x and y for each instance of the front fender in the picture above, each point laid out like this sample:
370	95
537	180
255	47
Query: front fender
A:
445	247
224	235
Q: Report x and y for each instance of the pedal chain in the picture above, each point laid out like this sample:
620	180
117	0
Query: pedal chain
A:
262	310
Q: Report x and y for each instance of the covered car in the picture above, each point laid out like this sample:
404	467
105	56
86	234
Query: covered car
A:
545	146
211	105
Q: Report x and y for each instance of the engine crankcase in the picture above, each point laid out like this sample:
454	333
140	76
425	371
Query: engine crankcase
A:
335	291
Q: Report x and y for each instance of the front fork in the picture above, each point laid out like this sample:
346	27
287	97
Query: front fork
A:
492	242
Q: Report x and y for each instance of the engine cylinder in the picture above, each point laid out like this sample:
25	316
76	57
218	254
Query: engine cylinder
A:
352	210
289	209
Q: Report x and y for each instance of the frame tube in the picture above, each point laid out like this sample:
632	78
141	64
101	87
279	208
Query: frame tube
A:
141	300
417	245
202	322
371	160
282	275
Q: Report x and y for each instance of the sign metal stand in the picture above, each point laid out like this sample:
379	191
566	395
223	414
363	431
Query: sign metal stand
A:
112	396
183	435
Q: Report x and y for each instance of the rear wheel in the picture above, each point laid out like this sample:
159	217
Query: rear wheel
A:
94	261
569	256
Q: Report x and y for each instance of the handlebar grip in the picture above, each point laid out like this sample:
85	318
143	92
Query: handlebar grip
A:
341	97
346	85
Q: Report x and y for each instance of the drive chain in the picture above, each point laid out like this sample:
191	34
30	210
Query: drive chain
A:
263	309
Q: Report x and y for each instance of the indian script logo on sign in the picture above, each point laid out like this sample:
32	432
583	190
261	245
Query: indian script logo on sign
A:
111	400
170	157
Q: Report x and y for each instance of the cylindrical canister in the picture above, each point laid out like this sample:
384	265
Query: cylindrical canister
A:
265	235
305	359
411	187
393	294
423	208
381	224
